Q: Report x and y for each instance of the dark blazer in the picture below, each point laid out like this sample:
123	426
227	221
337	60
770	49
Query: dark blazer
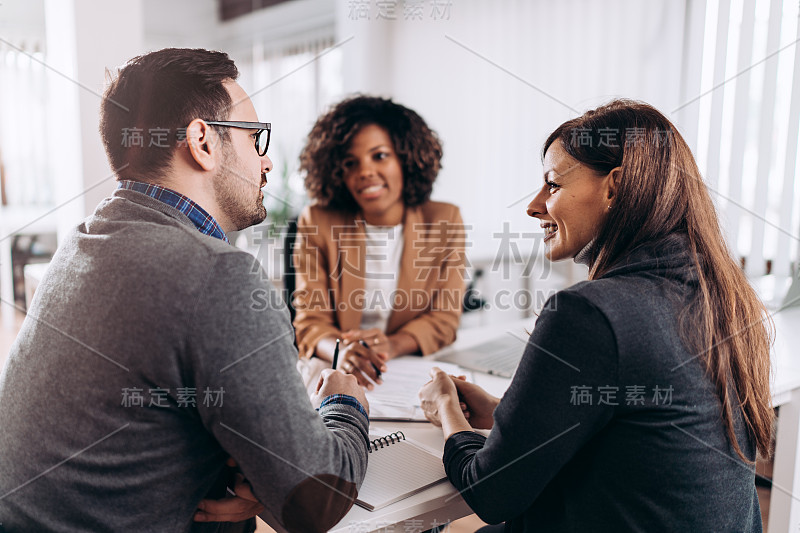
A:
611	422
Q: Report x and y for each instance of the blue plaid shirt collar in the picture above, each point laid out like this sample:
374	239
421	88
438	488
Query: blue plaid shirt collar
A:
199	217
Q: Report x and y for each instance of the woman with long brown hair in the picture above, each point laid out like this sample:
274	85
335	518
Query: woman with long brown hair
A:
643	395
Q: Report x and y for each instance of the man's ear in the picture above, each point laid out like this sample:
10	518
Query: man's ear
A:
202	141
613	180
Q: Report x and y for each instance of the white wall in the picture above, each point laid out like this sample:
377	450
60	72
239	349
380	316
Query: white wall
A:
179	24
492	77
84	38
497	77
22	22
494	121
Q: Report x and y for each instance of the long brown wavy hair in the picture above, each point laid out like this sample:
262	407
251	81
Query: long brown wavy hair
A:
659	192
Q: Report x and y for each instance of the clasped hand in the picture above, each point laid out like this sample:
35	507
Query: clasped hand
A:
440	396
244	505
364	355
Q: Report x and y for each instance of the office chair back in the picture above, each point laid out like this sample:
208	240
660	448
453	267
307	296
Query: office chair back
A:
289	282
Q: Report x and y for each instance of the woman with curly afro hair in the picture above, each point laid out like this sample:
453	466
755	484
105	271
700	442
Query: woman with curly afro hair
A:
378	264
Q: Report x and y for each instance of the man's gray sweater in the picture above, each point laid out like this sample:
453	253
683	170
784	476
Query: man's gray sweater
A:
149	357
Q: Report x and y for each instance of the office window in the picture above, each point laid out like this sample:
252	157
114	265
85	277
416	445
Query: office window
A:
24	134
290	87
747	127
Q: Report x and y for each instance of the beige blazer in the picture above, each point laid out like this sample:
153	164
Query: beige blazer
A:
329	259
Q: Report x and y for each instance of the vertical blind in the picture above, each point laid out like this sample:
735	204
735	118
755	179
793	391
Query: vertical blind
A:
746	111
24	132
290	86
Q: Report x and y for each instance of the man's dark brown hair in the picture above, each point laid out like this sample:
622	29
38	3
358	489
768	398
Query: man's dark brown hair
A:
153	98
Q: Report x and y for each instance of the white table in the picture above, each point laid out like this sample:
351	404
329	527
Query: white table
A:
440	504
784	505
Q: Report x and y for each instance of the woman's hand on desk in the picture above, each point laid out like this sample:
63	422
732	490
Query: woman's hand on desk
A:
479	403
391	346
362	360
376	339
440	403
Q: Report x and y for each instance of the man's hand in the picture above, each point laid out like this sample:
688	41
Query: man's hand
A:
336	382
232	509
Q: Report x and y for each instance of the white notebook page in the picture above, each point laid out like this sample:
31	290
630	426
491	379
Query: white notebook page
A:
398	471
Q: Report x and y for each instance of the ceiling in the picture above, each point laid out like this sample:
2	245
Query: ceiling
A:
230	9
22	22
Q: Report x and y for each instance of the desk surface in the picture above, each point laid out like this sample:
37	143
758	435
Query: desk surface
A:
441	503
786	355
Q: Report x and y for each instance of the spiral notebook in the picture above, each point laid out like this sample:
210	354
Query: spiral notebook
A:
397	468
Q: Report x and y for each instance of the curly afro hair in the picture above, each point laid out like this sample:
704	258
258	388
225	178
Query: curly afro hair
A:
416	145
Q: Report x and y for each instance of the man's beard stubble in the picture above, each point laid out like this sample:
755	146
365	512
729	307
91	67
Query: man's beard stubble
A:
233	190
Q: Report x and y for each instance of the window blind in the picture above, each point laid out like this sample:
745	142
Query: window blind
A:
747	113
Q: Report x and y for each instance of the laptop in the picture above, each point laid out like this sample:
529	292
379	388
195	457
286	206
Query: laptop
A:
792	298
499	356
778	292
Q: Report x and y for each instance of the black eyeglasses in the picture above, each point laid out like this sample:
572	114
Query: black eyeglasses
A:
262	141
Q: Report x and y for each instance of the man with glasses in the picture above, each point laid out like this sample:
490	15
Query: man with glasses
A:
145	365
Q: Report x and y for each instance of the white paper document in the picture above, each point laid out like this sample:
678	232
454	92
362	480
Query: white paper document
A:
396	398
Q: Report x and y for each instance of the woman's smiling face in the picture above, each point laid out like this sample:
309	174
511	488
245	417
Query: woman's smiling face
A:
572	204
374	176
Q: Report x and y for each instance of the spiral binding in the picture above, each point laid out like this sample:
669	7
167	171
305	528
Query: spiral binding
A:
391	438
